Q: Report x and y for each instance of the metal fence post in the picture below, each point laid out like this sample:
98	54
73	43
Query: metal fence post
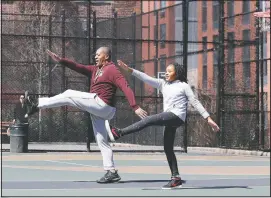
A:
90	134
257	41
134	44
50	60
114	41
156	43
63	21
50	77
94	44
185	6
156	64
134	62
261	48
262	91
64	109
220	82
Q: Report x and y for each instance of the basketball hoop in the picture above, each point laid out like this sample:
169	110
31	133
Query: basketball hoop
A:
264	24
264	20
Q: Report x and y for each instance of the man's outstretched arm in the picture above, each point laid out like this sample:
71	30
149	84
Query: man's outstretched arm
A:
82	69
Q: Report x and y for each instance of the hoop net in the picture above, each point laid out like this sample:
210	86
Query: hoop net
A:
264	22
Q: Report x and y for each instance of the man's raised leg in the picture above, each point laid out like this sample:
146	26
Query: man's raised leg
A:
85	101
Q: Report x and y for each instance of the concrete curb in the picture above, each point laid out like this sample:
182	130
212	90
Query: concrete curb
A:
229	151
124	147
203	150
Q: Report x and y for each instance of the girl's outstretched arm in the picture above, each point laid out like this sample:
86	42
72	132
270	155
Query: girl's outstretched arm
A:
154	82
197	105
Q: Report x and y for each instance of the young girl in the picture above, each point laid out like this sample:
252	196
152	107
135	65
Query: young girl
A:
176	94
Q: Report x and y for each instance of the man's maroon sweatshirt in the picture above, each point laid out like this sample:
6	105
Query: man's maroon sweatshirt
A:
106	84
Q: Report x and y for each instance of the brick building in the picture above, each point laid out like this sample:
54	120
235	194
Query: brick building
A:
169	15
267	88
165	31
237	28
241	76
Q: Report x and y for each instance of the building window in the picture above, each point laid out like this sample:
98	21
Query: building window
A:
155	32
204	15
162	35
204	48
265	72
163	11
266	112
230	61
155	8
230	39
204	77
246	8
215	68
100	2
216	40
7	2
231	47
246	51
155	35
231	75
204	70
265	37
230	7
245	58
246	75
163	63
215	14
265	56
215	61
163	4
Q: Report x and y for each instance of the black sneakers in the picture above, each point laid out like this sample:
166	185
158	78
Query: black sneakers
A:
176	182
31	104
113	133
109	177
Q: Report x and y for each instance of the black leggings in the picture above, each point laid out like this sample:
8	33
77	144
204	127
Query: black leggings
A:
171	123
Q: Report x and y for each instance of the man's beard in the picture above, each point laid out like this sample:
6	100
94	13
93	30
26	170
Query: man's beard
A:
101	63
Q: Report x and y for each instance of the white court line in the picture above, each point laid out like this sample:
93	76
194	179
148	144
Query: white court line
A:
140	188
228	178
70	163
72	189
193	179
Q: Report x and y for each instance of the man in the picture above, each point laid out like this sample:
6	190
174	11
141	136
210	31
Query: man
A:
105	79
19	112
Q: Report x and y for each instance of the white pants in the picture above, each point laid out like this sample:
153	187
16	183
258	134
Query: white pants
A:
99	111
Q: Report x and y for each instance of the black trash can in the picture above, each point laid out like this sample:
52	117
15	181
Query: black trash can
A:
19	138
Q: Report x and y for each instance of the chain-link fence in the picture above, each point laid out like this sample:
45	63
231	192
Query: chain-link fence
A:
225	67
243	93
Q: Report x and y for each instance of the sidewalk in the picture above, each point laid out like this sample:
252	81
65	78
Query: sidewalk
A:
123	147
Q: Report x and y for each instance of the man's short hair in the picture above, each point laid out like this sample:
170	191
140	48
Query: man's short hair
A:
107	51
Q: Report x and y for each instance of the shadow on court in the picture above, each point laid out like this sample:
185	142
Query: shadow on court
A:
206	187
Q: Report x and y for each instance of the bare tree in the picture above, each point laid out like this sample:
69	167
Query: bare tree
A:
25	48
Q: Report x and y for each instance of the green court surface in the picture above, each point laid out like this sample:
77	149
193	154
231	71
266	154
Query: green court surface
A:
143	174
